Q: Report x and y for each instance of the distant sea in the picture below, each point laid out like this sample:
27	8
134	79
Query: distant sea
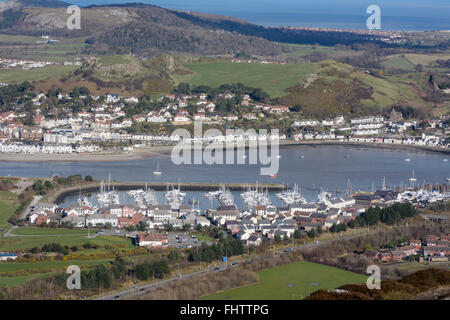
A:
342	21
407	15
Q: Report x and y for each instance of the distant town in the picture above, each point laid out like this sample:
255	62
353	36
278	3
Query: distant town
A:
106	119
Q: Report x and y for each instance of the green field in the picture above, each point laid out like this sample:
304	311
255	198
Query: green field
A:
54	265
112	60
16	266
13	39
293	281
399	62
300	50
15	281
273	78
30	231
35	74
8	205
26	242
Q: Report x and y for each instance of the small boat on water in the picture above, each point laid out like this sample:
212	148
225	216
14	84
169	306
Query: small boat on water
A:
157	172
302	156
347	156
445	160
278	157
407	160
272	176
413	178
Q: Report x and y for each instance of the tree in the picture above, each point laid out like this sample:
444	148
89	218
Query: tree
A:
259	94
169	227
173	256
277	239
88	179
183	88
297	234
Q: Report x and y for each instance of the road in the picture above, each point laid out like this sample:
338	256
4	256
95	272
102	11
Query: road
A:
143	289
33	202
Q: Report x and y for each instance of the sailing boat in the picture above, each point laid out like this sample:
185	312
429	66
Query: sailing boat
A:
413	179
157	172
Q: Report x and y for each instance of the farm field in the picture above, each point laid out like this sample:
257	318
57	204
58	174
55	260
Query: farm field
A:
273	78
399	62
426	59
15	281
17	266
26	242
40	269
293	281
10	39
19	75
8	205
305	49
31	231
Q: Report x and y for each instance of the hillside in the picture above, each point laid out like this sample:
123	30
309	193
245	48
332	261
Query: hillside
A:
119	74
135	28
430	284
322	89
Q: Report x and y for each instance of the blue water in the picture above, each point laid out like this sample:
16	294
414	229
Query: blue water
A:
321	166
395	14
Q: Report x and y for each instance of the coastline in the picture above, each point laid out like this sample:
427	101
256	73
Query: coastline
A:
160	151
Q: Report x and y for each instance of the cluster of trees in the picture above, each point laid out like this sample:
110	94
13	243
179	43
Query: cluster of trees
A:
389	215
65	250
99	277
10	17
41	187
69	180
11	93
338	227
315	232
210	231
238	89
226	247
54	247
157	269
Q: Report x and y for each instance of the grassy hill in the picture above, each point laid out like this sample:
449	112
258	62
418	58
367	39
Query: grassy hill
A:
292	281
423	284
137	28
273	78
322	88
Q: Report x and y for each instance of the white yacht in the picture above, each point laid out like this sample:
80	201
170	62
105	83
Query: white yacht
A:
157	172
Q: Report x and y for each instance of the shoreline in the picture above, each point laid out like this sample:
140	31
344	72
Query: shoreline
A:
160	151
